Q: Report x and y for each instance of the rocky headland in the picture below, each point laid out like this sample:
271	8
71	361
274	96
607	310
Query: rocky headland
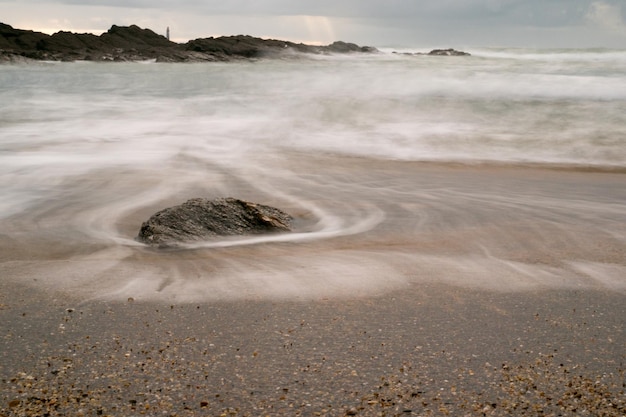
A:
132	43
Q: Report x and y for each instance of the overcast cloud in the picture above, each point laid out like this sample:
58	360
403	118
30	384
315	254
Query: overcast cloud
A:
399	23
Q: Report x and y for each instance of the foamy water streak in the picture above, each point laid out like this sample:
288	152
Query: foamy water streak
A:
89	151
330	227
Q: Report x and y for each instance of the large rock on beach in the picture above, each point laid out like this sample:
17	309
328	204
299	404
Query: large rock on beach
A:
201	219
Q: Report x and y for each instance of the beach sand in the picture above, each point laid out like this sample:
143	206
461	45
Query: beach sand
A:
426	350
477	291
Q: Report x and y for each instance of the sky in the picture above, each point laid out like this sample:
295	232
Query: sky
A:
380	23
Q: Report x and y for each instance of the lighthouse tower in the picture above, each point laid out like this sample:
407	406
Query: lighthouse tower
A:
167	33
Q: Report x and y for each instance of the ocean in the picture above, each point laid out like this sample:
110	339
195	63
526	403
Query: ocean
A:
504	170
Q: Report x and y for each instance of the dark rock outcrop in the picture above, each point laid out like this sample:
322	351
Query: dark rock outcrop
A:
437	52
340	47
448	52
131	43
201	219
243	46
118	44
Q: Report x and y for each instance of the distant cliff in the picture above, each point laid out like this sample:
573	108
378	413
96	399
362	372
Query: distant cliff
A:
132	43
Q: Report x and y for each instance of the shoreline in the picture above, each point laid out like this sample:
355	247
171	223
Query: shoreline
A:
472	164
361	219
483	291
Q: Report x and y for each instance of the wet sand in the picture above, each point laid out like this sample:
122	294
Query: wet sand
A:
428	290
427	350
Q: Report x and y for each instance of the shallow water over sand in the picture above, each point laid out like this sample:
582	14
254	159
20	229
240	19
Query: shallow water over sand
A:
398	170
366	227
